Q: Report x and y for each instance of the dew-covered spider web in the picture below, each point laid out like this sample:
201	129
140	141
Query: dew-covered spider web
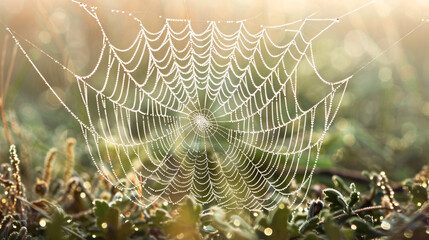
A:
225	111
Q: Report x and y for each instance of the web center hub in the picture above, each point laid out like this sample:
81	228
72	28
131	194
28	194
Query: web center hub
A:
203	122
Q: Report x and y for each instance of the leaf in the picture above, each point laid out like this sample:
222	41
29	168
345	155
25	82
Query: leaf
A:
336	199
126	229
112	218
310	224
311	236
369	219
233	228
59	221
187	222
349	233
333	230
340	184
160	216
109	221
22	235
100	210
419	195
343	203
13	236
280	222
354	196
363	228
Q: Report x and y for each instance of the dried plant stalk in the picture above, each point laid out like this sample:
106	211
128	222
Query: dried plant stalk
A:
42	185
4	84
18	188
49	162
70	143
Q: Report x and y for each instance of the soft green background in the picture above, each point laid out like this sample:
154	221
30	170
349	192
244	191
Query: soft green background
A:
383	123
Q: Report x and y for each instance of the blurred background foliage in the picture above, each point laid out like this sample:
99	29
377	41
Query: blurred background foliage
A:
382	124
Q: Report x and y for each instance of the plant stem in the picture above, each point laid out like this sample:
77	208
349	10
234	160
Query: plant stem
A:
4	85
6	127
360	210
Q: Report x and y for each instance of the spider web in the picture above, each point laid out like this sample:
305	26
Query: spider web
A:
215	113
